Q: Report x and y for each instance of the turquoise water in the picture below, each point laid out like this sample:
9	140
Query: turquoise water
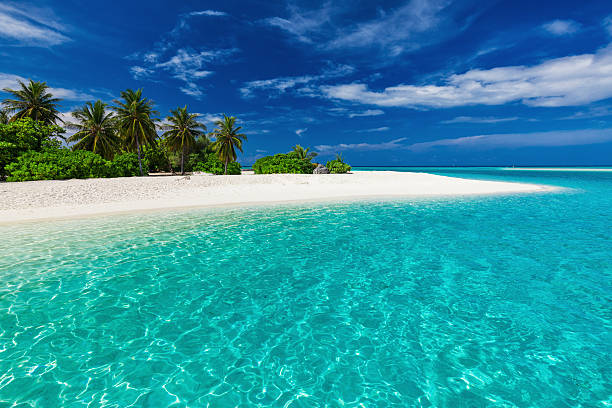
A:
497	301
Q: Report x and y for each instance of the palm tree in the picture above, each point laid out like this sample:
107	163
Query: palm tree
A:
32	101
4	117
227	139
182	131
134	120
96	130
304	154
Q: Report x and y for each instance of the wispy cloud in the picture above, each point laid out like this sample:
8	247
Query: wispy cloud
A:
213	13
369	112
607	23
10	81
515	140
566	81
277	86
303	24
365	147
378	129
30	26
561	27
185	64
410	26
593	112
471	119
485	142
299	132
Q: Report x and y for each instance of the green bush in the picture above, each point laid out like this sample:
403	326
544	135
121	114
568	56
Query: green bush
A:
337	166
24	135
282	163
126	165
156	157
215	166
58	164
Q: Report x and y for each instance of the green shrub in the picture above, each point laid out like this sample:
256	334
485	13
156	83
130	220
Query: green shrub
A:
58	164
282	163
156	157
126	165
215	166
24	135
337	166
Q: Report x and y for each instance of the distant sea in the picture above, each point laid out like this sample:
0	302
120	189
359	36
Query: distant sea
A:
487	301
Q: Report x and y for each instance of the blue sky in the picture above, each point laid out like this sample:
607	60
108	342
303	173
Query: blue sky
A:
403	82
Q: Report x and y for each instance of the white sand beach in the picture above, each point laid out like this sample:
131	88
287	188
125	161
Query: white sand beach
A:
39	200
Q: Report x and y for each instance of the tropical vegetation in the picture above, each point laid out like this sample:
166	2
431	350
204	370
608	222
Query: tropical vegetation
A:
227	139
32	100
338	165
122	140
96	130
283	163
182	130
136	122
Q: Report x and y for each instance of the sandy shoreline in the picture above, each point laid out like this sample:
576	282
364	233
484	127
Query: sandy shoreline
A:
41	200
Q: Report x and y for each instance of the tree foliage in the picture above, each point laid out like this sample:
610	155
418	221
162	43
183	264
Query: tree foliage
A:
96	130
32	100
22	135
227	139
135	121
304	154
338	166
182	130
58	164
213	165
282	163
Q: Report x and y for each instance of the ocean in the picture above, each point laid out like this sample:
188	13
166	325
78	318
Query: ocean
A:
481	301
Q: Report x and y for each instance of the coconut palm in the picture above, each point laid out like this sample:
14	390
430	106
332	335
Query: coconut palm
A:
96	130
4	117
227	139
135	121
32	101
304	154
182	131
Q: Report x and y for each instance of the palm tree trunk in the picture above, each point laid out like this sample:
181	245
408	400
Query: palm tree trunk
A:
139	159
182	160
225	167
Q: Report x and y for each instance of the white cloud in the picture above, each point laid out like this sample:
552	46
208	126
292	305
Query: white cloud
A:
398	30
561	27
10	81
514	140
378	129
471	119
212	13
567	81
391	145
413	25
281	85
303	23
140	72
369	112
594	112
300	131
31	28
607	23
186	65
485	142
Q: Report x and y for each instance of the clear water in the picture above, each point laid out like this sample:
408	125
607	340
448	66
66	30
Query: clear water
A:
477	302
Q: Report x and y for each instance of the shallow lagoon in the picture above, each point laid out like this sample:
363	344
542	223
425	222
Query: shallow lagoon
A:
481	301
